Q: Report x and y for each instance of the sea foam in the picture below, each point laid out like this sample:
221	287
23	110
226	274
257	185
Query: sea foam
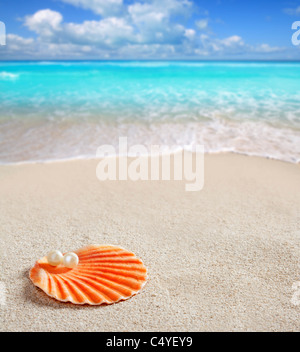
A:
8	75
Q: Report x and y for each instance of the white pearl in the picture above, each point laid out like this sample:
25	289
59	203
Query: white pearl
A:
55	258
70	260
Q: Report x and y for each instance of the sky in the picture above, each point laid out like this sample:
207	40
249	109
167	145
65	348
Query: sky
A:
149	29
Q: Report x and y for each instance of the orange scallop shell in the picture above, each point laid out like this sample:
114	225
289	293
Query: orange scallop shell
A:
104	275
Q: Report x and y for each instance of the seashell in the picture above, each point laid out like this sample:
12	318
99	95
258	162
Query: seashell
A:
104	275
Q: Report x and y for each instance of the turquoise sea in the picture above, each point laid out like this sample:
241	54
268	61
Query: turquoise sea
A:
61	110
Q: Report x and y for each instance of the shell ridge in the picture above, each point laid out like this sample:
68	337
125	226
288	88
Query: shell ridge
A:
133	260
63	288
124	273
91	290
77	287
126	282
88	250
140	267
92	281
40	278
51	284
100	256
47	280
78	296
103	282
102	252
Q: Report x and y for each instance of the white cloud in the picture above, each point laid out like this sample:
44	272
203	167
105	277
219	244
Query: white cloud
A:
190	33
202	24
167	8
232	41
14	39
266	48
146	14
44	22
109	31
292	12
154	21
17	46
146	51
233	46
100	7
229	45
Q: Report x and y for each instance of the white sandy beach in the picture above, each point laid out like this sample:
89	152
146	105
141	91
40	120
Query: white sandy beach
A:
222	259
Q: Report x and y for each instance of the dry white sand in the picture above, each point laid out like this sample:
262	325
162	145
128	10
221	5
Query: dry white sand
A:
221	259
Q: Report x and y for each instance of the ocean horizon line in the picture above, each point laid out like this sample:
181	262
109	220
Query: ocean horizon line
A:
154	60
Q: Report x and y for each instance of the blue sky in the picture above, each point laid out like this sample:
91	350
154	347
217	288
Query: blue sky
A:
149	29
